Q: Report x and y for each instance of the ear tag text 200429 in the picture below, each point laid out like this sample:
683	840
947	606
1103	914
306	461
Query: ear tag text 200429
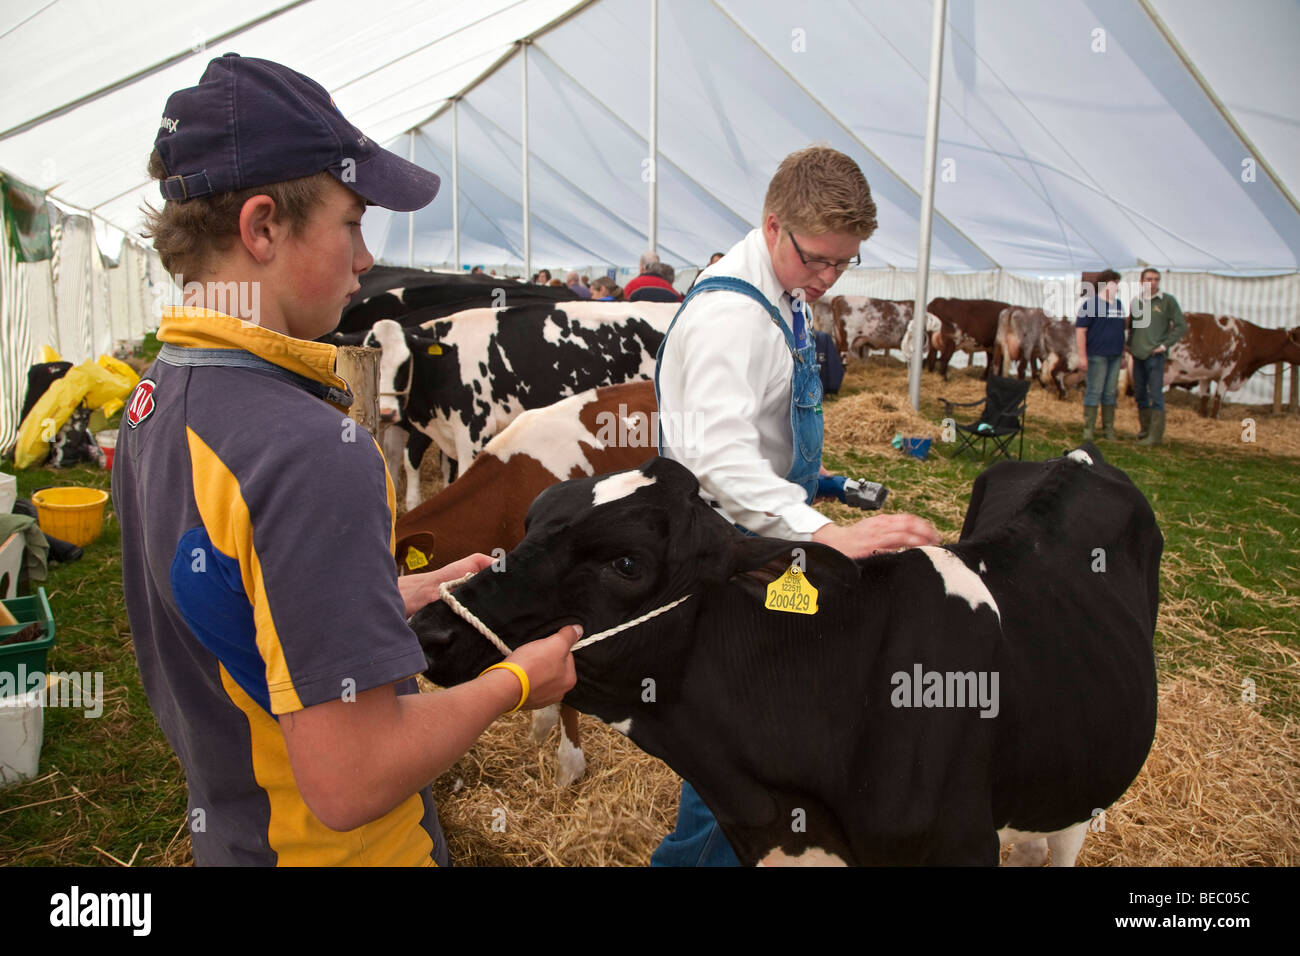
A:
792	592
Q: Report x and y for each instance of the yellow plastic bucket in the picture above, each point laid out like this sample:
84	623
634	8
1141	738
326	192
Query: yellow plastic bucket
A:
74	514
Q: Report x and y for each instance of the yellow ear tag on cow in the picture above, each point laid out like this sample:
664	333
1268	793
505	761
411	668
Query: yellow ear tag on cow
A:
435	349
792	592
415	558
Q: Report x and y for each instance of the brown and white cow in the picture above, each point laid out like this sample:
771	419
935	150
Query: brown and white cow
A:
969	325
1059	356
859	323
593	433
1226	351
1047	346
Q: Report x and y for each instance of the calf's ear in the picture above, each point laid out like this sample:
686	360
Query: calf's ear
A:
676	479
757	562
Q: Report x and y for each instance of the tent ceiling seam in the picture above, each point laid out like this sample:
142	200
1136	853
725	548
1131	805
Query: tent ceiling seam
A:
742	220
1060	223
573	188
514	46
475	206
1213	97
146	72
1092	182
853	136
421	48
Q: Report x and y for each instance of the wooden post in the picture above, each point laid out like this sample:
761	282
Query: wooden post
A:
1278	370
1293	403
360	369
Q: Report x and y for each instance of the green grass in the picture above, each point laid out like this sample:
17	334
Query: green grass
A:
1229	579
111	781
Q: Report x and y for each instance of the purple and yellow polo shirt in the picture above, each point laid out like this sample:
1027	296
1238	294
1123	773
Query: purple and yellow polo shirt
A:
257	535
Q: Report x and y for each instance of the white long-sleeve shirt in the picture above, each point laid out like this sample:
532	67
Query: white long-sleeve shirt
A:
724	398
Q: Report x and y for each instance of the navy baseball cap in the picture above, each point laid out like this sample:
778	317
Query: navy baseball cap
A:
252	122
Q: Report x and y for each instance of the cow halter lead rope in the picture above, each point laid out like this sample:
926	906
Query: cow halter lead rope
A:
444	591
404	395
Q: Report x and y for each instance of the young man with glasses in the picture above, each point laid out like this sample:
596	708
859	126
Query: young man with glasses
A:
739	362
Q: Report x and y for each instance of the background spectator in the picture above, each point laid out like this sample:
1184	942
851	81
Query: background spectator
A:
576	287
650	285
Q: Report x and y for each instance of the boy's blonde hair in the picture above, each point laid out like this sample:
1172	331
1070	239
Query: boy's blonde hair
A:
188	234
819	190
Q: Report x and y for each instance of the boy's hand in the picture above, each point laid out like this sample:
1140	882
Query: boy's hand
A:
881	533
549	666
421	589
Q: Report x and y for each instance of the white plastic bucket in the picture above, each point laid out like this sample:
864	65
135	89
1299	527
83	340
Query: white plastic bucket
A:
22	728
8	493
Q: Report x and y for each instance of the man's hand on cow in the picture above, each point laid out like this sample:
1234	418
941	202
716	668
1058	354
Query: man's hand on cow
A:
420	589
549	666
879	533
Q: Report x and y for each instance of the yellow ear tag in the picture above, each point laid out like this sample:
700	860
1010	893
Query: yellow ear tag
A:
435	349
792	592
415	558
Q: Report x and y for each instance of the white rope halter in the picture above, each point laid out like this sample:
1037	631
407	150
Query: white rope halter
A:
403	395
444	591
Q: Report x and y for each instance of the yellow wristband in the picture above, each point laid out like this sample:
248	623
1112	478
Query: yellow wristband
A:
518	672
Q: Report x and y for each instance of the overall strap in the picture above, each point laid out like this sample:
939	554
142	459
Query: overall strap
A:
238	358
732	284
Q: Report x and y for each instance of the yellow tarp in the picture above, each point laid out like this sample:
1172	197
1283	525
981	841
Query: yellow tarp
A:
106	382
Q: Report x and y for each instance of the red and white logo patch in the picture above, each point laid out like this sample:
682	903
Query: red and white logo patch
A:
141	405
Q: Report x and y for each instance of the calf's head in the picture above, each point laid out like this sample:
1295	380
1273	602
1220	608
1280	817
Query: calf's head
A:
600	552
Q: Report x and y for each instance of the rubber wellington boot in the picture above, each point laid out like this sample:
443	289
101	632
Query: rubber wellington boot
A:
1157	435
1144	417
1108	421
1089	421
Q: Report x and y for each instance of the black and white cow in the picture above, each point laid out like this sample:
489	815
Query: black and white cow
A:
415	296
459	381
936	697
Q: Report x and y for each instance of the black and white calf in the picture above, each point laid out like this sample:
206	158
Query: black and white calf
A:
459	381
932	698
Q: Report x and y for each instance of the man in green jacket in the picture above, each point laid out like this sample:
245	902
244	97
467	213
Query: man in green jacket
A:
1155	323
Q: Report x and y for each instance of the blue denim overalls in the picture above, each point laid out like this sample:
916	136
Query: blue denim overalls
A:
698	840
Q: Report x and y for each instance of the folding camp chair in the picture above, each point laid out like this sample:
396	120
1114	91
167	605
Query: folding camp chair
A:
1003	418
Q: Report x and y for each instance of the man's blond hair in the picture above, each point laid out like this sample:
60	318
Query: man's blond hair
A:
819	190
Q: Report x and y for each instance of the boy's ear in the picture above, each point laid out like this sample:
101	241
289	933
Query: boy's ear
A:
260	229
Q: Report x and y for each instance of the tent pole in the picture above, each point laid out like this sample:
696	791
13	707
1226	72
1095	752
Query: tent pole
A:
653	235
410	216
528	247
455	180
939	17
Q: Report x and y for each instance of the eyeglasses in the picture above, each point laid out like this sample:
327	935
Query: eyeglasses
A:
821	265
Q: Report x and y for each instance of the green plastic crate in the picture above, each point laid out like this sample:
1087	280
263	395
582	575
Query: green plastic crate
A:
31	653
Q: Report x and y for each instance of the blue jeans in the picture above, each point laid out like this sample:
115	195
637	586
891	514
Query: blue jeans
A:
1103	379
1149	381
698	840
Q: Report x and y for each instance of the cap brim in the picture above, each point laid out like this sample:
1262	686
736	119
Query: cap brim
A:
387	180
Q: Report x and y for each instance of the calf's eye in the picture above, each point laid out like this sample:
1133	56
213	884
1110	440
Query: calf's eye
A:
626	567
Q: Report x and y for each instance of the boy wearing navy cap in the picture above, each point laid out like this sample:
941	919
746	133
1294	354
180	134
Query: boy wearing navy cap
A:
257	520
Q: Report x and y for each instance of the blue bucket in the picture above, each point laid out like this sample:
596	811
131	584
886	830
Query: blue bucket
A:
918	448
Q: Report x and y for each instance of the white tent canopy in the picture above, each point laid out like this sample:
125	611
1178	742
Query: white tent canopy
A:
1072	135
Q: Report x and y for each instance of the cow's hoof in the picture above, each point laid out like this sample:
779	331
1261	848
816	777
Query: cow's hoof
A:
571	765
544	721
